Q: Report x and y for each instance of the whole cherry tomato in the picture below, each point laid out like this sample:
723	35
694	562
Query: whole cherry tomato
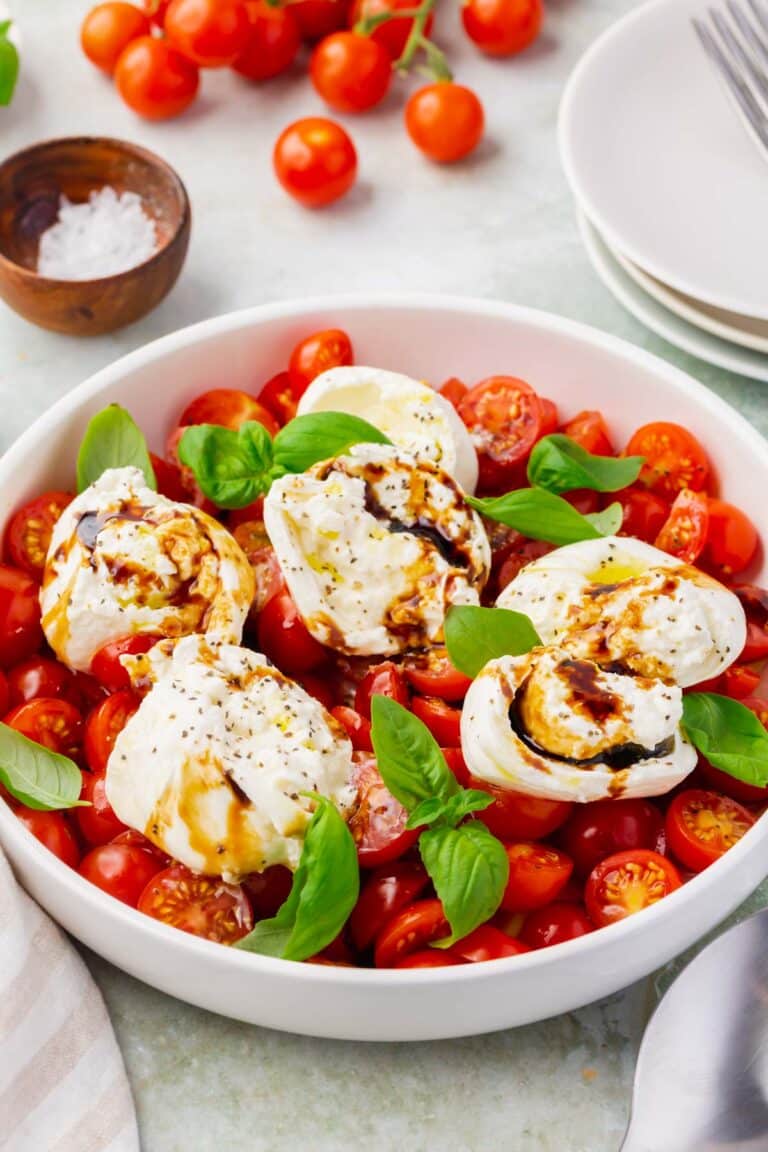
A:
517	816
731	539
40	676
443	721
627	882
331	348
228	407
701	827
555	924
378	822
410	930
272	43
104	725
487	942
392	34
674	458
503	415
384	679
537	875
106	666
98	824
351	73
156	10
20	631
28	535
122	870
589	430
387	890
284	638
315	161
202	905
155	80
432	673
50	721
685	531
605	827
318	18
429	958
644	513
51	829
108	29
445	121
212	33
502	27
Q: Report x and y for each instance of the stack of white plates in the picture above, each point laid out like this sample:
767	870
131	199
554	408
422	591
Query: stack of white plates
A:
672	192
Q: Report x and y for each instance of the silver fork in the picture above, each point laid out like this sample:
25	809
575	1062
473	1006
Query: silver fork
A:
736	41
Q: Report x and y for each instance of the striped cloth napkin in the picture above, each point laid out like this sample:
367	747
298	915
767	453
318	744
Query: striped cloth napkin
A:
63	1086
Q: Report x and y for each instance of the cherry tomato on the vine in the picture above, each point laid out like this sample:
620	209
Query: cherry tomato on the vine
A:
156	10
272	43
331	348
351	73
315	161
392	34
502	27
212	33
108	29
155	80
29	531
445	121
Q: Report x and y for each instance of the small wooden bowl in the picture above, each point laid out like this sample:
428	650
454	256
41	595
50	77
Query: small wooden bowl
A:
31	183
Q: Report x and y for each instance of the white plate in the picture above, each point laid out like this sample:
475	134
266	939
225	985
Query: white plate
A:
661	163
433	337
659	319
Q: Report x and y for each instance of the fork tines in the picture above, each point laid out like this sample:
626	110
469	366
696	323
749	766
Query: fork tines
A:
736	41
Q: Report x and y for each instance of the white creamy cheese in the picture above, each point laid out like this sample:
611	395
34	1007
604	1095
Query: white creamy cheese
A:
213	766
411	413
375	546
124	560
559	727
619	599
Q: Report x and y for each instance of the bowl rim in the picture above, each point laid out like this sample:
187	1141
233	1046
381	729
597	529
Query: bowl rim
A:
194	948
182	225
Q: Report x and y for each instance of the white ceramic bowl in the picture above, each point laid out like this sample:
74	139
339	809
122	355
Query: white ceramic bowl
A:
434	337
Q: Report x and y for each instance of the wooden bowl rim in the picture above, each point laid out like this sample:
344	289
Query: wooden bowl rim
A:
152	159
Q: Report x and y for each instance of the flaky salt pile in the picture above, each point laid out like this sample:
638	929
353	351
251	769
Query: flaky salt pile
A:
106	235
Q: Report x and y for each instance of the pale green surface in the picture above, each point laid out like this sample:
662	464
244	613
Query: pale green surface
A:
502	225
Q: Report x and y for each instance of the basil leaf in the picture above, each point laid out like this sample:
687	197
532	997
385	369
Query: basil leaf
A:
231	467
426	812
538	514
608	521
112	440
9	65
36	776
559	464
325	888
408	756
469	868
320	436
728	734
469	800
473	636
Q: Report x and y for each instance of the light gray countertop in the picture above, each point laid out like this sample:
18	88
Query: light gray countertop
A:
501	225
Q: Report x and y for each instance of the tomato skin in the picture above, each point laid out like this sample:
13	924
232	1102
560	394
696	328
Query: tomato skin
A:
754	601
445	121
228	407
315	161
204	906
106	666
5	694
386	891
351	73
156	10
268	890
701	827
357	727
284	638
277	394
103	726
588	428
502	27
121	870
108	29
169	479
731	539
503	415
443	721
98	824
29	530
20	631
432	674
537	875
626	883
378	823
36	677
487	942
155	80
318	18
522	552
684	533
317	686
50	721
272	43
384	679
517	816
740	682
645	513
454	390
51	829
429	958
393	34
674	458
410	930
605	827
331	348
211	33
555	924
549	416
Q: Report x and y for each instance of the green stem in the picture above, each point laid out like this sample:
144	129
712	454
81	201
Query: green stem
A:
416	35
369	24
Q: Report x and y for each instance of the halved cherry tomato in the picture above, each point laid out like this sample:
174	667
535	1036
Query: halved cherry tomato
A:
50	721
503	415
212	33
754	601
272	43
702	826
51	829
684	533
430	958
122	870
40	676
731	539
20	631
605	827
555	924
170	480
589	430
739	681
318	18
228	407
674	458
521	552
268	890
277	394
357	727
98	824
645	513
384	679
432	673
537	875
627	882
443	721
392	34
284	638
378	822
28	535
550	417
410	930
331	348
351	73
317	686
454	390
387	890
203	905
104	725
106	666
517	816
487	942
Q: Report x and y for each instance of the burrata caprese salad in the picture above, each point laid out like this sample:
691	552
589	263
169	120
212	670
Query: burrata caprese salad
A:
364	671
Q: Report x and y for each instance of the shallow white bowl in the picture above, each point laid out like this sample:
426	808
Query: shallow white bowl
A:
434	337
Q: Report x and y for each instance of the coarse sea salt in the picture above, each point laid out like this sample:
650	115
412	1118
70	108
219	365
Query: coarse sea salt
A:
109	233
